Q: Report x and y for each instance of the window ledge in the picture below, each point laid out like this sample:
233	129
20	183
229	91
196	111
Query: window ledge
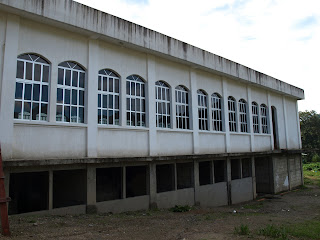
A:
174	130
123	128
50	124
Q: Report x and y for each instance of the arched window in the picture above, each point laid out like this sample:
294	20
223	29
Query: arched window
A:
216	105
232	114
264	118
136	112
70	93
243	119
108	97
32	88
255	117
202	110
163	105
182	107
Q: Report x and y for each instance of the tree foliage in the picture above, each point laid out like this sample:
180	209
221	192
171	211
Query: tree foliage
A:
310	133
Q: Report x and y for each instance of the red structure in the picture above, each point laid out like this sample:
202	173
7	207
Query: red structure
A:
3	202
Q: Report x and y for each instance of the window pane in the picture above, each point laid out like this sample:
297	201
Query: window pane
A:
111	117
67	114
18	90
73	114
59	113
110	101
45	74
67	96
44	112
99	115
60	76
99	100
128	87
81	98
36	92
26	110
74	97
68	78
60	95
99	83
29	71
104	116
105	84
111	85
20	69
27	92
116	85
17	109
35	111
44	96
138	86
81	80
105	101
116	102
37	72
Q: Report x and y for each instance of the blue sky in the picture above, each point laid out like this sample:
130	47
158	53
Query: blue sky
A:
280	38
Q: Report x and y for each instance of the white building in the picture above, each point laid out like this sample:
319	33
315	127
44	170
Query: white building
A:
173	124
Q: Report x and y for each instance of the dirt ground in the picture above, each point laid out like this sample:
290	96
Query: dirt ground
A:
288	209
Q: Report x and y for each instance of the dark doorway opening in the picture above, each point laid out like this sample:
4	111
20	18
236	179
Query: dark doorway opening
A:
29	192
264	175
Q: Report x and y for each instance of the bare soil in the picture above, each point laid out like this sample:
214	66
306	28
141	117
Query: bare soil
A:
198	224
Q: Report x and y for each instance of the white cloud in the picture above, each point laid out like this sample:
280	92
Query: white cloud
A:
262	35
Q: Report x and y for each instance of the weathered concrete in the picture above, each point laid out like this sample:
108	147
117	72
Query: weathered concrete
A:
178	197
212	195
241	190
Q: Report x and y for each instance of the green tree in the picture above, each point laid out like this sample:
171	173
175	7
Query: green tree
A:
310	133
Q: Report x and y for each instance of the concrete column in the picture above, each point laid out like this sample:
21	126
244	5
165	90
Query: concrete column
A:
175	177
124	185
250	122
298	126
153	185
91	190
8	85
92	88
212	171
254	183
151	71
289	172
284	104
196	182
225	112
7	184
301	171
194	112
270	121
50	190
229	181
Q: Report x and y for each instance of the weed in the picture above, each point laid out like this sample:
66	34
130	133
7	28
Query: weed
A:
306	230
274	232
254	206
242	230
179	208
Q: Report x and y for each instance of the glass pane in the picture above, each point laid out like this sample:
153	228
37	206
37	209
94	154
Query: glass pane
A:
81	115
66	113
81	98
128	119
128	104
138	105
105	84
99	100
27	92
60	76
74	97
18	90
133	87
45	74
60	95
45	93
142	90
75	79
110	101
67	96
81	80
99	116
44	112
143	105
37	72
59	113
36	92
35	111
110	85
116	85
138	86
105	101
17	109
143	120
117	118
133	104
116	105
99	83
110	117
20	69
29	71
128	87
133	119
104	117
68	78
26	110
74	114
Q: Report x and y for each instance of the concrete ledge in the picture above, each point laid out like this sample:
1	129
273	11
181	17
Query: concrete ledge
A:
99	25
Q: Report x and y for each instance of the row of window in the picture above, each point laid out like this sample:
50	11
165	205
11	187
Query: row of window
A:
32	100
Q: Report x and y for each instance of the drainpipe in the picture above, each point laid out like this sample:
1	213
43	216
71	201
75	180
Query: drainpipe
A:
3	202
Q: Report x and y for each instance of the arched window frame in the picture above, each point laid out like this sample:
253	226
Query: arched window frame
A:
232	113
255	118
216	106
163	109
202	110
243	115
136	110
70	93
264	119
182	107
108	97
32	88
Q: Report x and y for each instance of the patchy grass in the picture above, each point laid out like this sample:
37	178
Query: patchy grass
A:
274	232
243	229
311	173
179	208
306	230
254	206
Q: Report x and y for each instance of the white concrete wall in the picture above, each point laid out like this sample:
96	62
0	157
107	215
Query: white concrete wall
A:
212	195
31	140
241	190
281	176
178	197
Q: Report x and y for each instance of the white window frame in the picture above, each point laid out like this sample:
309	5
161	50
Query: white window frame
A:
73	67
255	117
243	116
182	106
232	114
136	101
216	105
264	119
108	98
163	110
202	110
43	101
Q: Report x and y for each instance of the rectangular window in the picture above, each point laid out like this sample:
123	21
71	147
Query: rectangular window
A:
109	183
163	119
255	118
205	173
165	178
220	171
182	108
235	169
202	110
136	181
246	167
184	175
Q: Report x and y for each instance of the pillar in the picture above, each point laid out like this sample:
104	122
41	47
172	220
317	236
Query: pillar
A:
253	172
229	181
91	190
194	110
225	113
196	182
153	185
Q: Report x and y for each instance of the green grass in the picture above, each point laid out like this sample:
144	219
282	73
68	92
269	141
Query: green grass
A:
254	206
311	173
179	208
274	232
307	230
242	230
